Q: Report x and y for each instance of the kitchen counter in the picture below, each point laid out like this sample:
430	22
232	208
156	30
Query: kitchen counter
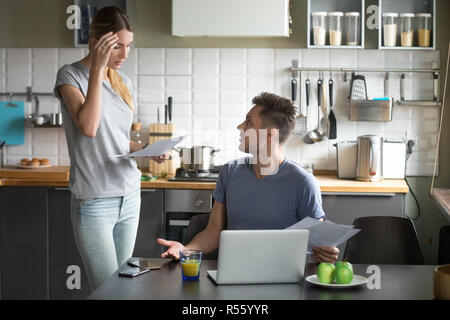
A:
59	177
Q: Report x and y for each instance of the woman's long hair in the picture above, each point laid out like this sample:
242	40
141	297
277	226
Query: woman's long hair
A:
113	19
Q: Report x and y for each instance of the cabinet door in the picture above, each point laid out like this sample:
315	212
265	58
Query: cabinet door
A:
63	251
24	237
150	224
62	245
345	208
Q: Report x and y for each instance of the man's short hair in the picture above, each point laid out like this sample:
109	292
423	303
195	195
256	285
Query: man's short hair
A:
278	112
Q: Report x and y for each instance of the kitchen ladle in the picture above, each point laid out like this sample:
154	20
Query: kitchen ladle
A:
319	133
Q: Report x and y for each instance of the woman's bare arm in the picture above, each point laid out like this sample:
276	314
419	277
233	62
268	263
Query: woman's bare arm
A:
86	113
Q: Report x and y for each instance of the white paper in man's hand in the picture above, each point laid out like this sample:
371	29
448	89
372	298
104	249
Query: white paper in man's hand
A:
157	148
325	233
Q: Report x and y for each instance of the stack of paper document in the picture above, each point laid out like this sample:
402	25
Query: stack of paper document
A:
157	148
325	233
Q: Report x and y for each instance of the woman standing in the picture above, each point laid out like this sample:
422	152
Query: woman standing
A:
97	104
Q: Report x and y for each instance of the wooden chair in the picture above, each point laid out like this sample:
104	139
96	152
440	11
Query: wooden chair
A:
197	224
384	240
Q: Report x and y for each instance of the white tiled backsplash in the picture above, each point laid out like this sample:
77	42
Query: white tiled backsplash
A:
212	91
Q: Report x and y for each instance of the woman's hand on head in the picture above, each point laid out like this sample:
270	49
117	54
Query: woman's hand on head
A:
100	50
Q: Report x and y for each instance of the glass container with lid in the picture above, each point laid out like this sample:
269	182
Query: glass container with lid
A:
424	29
407	29
352	28
319	22
335	27
390	29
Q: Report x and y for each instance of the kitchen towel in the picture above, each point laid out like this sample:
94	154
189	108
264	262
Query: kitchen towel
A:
12	122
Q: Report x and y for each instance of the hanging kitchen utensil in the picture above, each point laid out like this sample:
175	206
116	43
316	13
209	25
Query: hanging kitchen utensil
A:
358	89
402	87
324	122
331	116
294	90
301	124
307	88
304	117
386	84
317	134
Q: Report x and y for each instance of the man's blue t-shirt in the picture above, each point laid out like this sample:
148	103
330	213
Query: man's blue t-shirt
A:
274	202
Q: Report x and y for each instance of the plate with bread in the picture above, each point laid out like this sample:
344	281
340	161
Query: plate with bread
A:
34	163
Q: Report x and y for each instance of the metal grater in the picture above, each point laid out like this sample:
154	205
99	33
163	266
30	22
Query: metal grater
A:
300	124
358	89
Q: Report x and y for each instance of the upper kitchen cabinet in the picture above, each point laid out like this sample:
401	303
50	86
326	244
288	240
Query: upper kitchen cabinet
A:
335	24
88	8
407	24
230	18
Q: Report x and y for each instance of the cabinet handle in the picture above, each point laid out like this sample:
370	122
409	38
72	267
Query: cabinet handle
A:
62	189
148	190
179	223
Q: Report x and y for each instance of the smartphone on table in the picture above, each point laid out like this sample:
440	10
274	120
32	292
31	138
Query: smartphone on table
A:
133	272
143	264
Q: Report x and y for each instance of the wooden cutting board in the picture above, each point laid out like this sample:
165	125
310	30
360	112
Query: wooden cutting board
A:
51	173
158	132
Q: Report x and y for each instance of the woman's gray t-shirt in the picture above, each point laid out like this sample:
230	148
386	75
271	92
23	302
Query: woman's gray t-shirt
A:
93	172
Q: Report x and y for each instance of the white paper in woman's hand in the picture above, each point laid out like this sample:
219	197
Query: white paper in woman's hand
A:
157	148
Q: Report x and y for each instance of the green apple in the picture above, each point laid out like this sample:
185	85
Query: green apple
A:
325	272
340	264
343	263
343	273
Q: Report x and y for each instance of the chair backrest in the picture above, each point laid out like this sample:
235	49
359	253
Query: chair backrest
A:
384	240
197	224
444	245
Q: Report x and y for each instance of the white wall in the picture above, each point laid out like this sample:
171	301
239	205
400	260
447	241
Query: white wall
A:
212	91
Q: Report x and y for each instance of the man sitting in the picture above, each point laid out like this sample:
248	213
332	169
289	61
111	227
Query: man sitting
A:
265	191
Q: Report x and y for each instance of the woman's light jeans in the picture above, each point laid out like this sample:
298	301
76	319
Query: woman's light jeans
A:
105	233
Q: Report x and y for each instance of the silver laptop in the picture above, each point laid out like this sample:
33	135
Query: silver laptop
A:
261	256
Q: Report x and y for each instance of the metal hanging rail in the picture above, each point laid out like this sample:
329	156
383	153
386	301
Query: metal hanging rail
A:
29	94
299	69
295	70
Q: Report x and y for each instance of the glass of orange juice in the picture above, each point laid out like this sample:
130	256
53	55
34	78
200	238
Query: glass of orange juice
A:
190	264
